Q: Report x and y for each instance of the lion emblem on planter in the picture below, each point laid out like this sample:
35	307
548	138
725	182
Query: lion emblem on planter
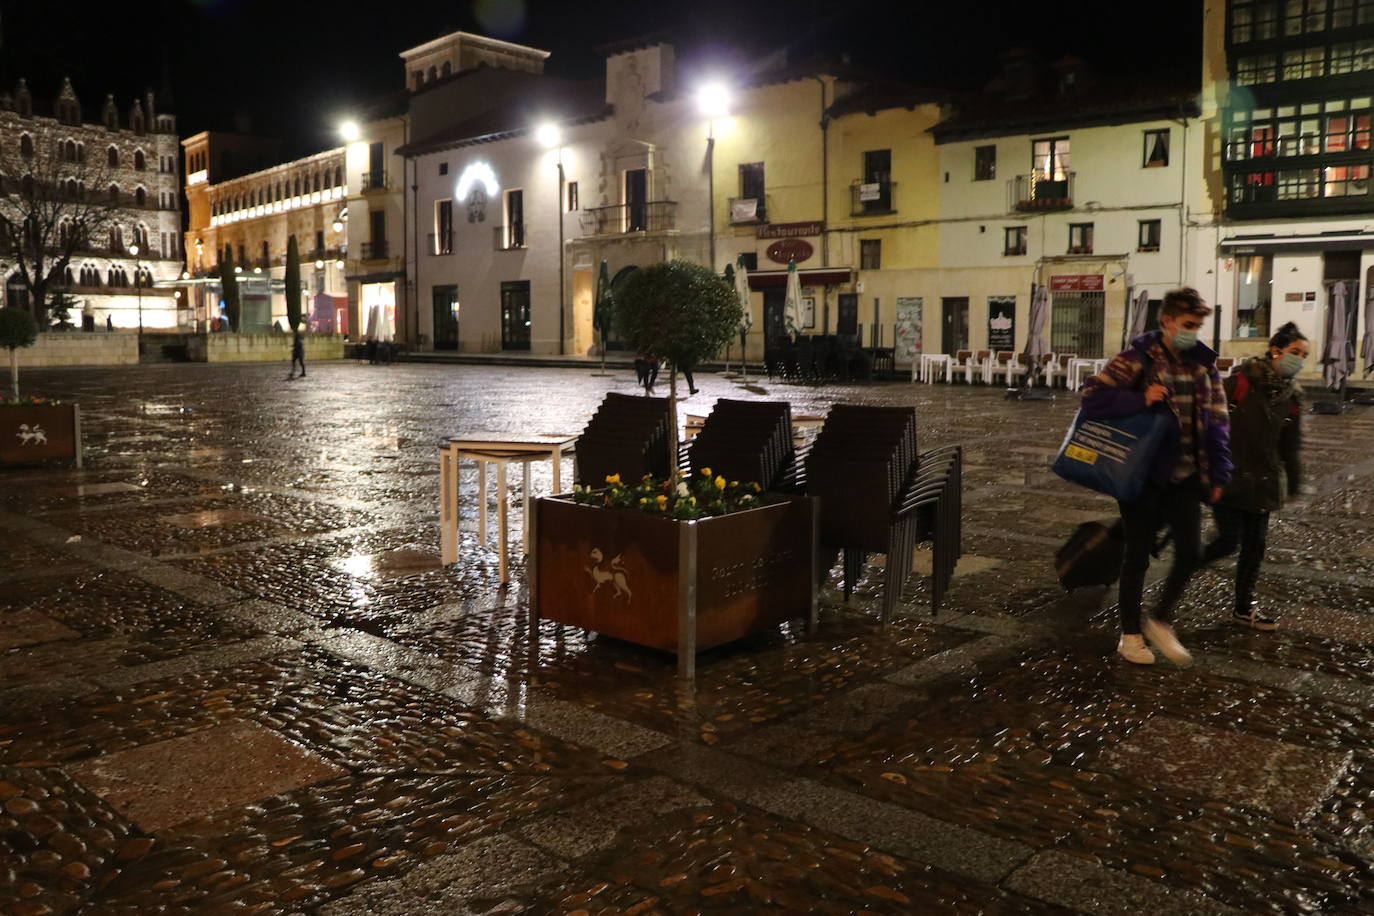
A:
32	435
613	572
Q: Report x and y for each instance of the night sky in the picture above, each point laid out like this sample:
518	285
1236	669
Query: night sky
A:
292	70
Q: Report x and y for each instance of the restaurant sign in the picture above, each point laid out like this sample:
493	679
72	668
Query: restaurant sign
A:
786	250
789	230
1076	282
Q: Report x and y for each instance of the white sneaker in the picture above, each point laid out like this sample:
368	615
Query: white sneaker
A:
1162	637
1132	648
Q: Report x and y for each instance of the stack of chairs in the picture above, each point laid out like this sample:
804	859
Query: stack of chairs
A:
628	435
748	441
878	494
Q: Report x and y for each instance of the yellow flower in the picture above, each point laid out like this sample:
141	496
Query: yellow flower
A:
642	500
613	478
662	502
758	489
734	483
705	472
720	483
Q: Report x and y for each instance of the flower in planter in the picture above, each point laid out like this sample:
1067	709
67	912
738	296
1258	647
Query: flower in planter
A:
720	483
705	497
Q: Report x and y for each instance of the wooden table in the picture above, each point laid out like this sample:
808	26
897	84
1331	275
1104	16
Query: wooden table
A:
499	449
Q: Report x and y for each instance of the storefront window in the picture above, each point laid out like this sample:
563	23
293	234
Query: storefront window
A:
1254	289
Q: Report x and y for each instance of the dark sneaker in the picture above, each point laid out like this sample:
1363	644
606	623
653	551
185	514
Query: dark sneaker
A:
1254	620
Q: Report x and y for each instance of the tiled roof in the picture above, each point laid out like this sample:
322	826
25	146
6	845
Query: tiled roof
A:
992	115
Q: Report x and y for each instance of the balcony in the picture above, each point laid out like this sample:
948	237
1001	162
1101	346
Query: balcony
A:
871	198
746	211
374	181
376	250
650	216
509	238
441	243
1037	193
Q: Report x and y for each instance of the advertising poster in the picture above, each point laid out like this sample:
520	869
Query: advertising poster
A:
908	327
1001	323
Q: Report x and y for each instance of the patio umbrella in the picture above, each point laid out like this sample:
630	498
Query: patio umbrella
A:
1367	348
1338	355
791	306
1035	342
746	321
1139	313
602	312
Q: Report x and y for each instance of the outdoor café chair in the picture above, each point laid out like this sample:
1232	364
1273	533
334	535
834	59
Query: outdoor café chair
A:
961	362
979	365
1058	368
1001	364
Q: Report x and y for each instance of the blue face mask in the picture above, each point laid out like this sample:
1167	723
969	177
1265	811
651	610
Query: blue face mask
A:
1184	339
1290	364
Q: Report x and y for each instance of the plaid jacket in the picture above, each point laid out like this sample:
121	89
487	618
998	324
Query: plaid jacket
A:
1119	391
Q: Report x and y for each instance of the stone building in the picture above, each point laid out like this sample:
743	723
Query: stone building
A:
131	154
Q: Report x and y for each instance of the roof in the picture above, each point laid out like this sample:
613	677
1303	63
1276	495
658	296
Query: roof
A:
470	38
1094	105
874	96
543	97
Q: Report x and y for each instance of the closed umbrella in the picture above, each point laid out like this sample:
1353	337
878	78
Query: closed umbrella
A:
1036	347
602	310
1139	312
746	321
1367	348
791	306
1338	354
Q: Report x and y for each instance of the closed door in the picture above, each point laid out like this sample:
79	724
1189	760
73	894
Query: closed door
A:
955	324
774	321
636	200
847	315
515	315
446	317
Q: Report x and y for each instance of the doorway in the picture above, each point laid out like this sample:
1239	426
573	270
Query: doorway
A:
636	200
1077	323
446	317
954	324
774	321
515	315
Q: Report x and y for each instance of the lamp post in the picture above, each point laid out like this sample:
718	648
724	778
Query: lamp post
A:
551	137
713	101
138	291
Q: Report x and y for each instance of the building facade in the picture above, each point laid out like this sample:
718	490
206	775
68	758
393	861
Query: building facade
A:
125	161
247	219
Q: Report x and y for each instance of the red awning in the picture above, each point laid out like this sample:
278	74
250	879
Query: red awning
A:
821	276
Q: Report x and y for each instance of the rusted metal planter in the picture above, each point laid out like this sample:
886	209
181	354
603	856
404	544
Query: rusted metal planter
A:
678	586
40	434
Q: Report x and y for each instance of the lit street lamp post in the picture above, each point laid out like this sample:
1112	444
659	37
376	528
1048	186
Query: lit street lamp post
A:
138	291
713	101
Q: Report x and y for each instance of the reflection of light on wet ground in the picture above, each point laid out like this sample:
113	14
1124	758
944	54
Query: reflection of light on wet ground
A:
359	565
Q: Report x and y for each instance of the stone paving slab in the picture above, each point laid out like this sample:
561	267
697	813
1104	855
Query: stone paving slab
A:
1088	888
28	628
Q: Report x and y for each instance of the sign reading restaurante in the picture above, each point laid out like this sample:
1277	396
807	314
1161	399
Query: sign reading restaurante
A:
789	230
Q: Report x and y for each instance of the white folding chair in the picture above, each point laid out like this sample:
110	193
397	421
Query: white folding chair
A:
959	364
978	365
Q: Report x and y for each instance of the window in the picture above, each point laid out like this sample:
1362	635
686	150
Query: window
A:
1156	148
1147	235
515	218
443	227
1345	181
1256	69
1254	292
1254	21
572	202
1298	184
751	183
140	161
870	254
116	239
875	193
266	257
114	193
1345	13
26	146
1050	159
140	197
1351	57
69	151
984	163
1304	63
1080	238
443	168
112	157
636	200
751	260
1303	16
446	69
319	243
1014	240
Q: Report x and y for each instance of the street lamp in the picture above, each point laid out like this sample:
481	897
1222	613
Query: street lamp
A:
350	131
138	291
550	136
713	101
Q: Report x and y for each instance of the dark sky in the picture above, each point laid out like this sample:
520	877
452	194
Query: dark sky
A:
293	69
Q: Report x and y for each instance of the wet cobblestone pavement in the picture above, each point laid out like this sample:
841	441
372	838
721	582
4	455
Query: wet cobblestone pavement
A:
235	678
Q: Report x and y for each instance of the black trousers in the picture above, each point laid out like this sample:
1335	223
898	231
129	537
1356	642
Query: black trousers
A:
1178	507
297	359
1249	531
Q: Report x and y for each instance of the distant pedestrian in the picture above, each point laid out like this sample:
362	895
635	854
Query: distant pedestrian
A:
1266	438
297	353
649	372
1170	368
691	385
109	322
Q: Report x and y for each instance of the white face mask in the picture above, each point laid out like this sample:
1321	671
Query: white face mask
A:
1290	364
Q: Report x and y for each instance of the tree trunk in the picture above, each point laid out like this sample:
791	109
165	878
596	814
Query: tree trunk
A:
674	474
14	373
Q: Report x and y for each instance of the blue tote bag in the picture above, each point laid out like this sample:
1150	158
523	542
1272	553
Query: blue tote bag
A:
1113	456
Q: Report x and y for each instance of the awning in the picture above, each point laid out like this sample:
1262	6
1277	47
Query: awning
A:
820	276
1303	242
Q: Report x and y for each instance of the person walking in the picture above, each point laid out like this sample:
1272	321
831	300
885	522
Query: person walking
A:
1171	368
297	353
1266	438
691	384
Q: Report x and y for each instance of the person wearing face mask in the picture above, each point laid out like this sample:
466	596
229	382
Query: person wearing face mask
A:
1166	370
1266	438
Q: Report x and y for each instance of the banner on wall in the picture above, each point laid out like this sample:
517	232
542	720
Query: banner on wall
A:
1001	323
908	327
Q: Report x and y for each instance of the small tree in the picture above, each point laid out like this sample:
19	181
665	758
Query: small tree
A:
62	304
293	285
681	313
230	282
17	329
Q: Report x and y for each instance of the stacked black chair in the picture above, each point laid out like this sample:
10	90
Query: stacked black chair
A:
628	435
748	441
879	495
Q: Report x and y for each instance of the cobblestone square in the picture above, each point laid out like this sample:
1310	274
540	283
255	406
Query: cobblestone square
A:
248	587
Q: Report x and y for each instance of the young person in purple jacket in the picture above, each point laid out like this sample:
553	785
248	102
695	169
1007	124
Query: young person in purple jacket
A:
1167	370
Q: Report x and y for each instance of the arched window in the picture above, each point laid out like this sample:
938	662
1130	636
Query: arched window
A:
141	236
140	196
338	176
28	185
298	186
68	150
81	152
136	121
116	240
112	277
317	181
432	75
72	189
16	293
140	161
112	157
26	146
69	277
446	69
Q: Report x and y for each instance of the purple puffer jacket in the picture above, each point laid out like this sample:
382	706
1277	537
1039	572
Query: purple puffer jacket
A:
1119	391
